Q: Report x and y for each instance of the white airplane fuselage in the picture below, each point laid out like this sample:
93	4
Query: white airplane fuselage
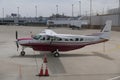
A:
62	44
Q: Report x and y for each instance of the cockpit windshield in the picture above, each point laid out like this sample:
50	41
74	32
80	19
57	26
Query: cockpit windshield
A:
36	37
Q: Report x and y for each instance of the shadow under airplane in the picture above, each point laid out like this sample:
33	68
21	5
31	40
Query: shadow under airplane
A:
55	65
102	55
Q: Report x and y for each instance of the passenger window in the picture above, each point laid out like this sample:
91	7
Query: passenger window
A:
59	39
48	38
71	39
76	39
66	39
81	39
43	38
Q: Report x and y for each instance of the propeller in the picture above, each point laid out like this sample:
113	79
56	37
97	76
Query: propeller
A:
16	34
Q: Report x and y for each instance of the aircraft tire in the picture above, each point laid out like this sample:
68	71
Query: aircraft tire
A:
22	53
56	54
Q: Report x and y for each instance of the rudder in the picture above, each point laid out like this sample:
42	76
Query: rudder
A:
106	30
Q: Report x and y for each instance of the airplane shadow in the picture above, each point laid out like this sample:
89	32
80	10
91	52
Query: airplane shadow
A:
105	56
41	55
28	56
75	55
54	63
102	55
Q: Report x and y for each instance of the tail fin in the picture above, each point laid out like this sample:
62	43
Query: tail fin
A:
106	30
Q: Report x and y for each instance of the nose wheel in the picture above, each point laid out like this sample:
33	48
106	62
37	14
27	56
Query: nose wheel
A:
22	53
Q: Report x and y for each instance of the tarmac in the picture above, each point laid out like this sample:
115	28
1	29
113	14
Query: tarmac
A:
94	62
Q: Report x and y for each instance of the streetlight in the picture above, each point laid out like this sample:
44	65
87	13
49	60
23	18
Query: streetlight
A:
119	14
72	10
56	9
18	14
3	14
18	11
119	3
79	8
36	11
90	11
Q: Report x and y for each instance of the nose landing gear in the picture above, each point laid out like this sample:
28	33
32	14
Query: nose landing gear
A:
22	53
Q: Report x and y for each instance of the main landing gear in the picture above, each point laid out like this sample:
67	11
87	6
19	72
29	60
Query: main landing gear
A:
56	53
22	53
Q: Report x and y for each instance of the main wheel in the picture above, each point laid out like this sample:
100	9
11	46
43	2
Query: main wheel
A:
56	54
22	53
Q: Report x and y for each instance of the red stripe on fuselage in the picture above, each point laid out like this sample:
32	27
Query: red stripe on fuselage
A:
61	46
24	39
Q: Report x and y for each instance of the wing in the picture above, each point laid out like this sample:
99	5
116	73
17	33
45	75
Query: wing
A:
49	32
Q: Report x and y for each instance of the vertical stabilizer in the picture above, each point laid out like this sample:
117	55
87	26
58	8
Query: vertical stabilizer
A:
106	30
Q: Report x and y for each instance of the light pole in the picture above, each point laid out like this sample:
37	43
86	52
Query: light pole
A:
3	13
119	3
56	9
79	8
90	11
36	11
72	10
18	11
119	14
18	14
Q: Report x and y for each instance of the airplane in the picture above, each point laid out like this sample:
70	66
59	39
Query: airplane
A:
49	40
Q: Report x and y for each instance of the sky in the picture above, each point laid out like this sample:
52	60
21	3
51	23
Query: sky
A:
48	7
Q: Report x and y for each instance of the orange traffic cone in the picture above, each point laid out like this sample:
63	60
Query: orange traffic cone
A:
41	71
46	72
45	59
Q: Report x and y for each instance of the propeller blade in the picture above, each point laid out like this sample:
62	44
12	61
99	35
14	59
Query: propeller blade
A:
16	34
17	45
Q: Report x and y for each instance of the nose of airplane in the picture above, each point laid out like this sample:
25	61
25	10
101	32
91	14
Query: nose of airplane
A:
23	40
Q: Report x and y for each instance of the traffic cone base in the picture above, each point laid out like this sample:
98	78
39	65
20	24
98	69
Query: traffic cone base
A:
41	71
46	72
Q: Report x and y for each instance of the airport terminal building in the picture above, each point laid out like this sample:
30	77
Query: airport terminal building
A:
95	20
23	20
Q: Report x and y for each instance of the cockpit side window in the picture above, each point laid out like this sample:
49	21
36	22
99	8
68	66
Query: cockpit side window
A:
43	38
36	37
